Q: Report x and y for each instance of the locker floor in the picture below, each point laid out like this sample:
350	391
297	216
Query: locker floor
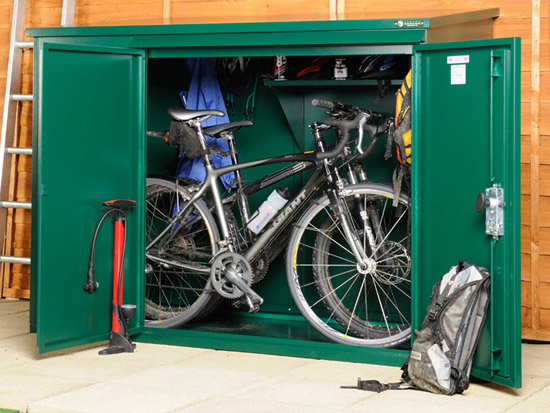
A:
160	378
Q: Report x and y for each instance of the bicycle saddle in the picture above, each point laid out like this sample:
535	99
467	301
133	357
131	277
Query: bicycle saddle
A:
184	114
229	127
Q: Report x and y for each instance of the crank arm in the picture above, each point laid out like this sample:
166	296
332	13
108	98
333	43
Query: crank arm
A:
252	298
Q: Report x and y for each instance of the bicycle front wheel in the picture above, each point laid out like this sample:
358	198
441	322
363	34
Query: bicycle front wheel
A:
177	274
340	298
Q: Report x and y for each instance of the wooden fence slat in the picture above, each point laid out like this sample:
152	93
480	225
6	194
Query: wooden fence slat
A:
535	170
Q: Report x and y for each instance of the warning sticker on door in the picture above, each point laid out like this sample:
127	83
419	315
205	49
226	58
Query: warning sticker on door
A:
458	74
451	60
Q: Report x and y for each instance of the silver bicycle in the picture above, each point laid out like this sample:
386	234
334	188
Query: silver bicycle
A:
346	240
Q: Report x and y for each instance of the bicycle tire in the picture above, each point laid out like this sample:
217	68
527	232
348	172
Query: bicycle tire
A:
336	297
174	295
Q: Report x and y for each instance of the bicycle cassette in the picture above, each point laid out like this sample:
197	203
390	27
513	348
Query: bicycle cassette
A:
230	261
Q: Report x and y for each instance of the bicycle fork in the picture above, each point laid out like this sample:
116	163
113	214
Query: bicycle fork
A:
365	265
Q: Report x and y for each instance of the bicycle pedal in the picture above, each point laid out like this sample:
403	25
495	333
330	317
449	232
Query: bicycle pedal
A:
254	309
237	303
254	304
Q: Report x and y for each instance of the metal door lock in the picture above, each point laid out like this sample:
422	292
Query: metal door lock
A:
492	200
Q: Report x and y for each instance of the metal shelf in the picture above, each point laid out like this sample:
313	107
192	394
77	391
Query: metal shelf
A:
327	82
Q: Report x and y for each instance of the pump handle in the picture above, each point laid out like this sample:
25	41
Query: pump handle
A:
120	203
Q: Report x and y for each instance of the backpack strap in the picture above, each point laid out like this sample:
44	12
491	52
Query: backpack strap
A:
406	101
389	142
383	87
377	387
397	181
461	380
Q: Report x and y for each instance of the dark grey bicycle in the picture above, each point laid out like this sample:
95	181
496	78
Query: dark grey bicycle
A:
348	255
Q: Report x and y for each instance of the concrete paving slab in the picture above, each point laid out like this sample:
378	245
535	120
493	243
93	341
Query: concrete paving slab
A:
158	378
534	359
257	363
399	401
345	374
199	383
238	405
302	392
17	350
17	391
531	385
542	396
13	306
16	320
529	407
153	354
114	398
11	332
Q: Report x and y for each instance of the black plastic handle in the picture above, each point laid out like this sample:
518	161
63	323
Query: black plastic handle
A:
482	202
323	103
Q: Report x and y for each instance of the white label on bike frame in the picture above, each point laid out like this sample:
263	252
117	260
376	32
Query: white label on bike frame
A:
458	74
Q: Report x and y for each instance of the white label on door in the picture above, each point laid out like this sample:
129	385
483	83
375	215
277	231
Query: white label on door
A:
458	74
458	59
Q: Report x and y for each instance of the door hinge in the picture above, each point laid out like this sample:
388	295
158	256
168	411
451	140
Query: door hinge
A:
497	64
43	190
496	358
492	201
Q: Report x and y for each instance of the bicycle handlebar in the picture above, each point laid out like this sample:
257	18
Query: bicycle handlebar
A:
345	127
336	106
375	131
340	117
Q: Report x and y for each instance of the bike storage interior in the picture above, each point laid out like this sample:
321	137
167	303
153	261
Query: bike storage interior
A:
465	139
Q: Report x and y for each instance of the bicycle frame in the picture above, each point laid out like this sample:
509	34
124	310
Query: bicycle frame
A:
323	170
283	217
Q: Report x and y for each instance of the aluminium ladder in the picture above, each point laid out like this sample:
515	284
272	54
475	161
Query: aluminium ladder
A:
12	98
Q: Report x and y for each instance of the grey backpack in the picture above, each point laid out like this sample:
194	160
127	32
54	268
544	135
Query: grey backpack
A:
442	354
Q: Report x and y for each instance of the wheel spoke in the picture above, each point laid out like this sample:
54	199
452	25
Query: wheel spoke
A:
173	294
367	305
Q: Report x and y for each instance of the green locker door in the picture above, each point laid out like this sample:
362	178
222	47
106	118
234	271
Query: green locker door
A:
89	148
466	139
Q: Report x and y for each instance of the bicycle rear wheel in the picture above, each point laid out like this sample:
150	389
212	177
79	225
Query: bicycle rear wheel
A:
176	295
343	301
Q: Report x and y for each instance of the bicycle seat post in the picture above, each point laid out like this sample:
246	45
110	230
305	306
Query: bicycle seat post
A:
197	125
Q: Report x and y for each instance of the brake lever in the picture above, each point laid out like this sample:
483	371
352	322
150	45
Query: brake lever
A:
359	145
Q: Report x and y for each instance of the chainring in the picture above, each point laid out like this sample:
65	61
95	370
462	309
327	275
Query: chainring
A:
224	262
260	267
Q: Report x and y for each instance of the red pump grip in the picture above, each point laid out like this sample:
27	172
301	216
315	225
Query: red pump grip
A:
120	203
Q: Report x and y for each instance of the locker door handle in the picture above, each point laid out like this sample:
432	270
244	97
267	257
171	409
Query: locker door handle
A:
482	202
492	201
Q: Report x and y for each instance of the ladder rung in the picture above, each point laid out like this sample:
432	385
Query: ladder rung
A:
22	97
15	260
13	204
24	45
19	151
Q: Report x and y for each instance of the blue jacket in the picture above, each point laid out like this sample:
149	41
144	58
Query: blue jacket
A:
204	93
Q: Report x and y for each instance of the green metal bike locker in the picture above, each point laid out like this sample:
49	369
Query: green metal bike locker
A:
99	89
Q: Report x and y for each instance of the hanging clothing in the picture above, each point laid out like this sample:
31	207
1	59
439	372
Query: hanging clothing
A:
204	93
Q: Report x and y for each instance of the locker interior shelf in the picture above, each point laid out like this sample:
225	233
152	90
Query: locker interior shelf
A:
327	82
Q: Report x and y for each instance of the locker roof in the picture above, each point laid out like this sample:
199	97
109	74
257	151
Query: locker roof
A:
402	27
